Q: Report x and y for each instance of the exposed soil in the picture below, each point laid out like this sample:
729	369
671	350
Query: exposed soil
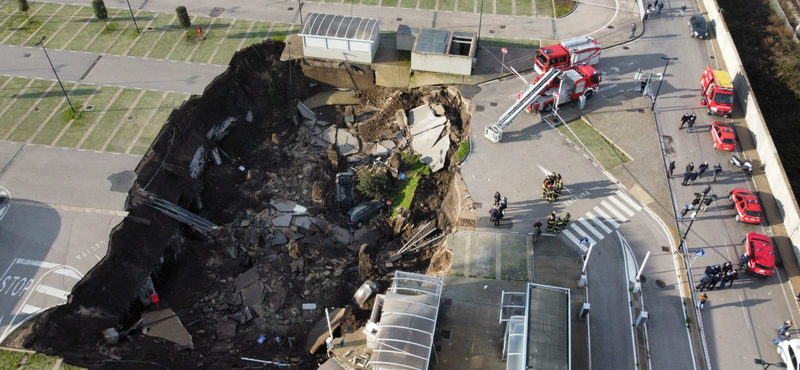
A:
266	155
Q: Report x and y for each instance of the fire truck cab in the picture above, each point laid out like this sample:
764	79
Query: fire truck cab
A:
716	91
578	51
570	85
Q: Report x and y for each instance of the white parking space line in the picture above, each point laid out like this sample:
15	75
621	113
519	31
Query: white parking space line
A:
53	292
606	217
621	206
598	222
628	200
591	229
28	309
614	211
47	265
575	240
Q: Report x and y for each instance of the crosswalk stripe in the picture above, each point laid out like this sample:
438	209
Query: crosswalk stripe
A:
621	206
614	211
53	292
28	309
591	229
598	222
629	200
68	273
47	265
577	230
606	217
575	240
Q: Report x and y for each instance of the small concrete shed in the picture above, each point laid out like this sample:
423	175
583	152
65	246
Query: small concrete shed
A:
340	37
443	51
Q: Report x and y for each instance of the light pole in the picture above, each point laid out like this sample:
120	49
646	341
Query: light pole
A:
134	18
480	23
683	239
41	42
300	11
761	362
653	107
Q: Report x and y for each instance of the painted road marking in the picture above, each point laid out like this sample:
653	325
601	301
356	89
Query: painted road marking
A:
47	265
628	200
68	273
575	240
53	292
590	228
577	230
620	205
598	222
614	211
29	309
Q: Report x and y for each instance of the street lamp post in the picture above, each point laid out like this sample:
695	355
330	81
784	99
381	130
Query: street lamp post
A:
683	239
134	18
480	23
761	362
653	107
41	42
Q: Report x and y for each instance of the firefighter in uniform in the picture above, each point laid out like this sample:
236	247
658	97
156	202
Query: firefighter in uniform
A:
566	219
551	221
559	226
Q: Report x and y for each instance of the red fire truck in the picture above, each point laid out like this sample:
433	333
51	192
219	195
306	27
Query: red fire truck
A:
578	51
573	83
716	91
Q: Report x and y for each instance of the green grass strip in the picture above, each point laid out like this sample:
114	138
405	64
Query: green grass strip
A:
116	115
174	32
258	34
9	360
39	361
36	118
149	102
172	101
78	128
544	8
504	7
212	40
608	154
147	39
427	4
370	2
447	5
468	6
59	40
281	30
510	43
390	3
408	4
28	29
564	7
524	7
21	104
116	26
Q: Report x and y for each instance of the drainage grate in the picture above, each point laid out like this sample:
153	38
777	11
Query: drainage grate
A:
491	31
660	283
216	12
446	334
641	110
502	27
89	108
149	28
399	19
27	55
36	109
480	108
626	48
291	9
493	104
448	301
610	27
478	205
131	118
664	248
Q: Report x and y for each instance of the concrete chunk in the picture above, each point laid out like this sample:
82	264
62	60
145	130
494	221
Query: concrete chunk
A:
246	278
423	143
311	224
436	156
288	206
170	328
279	239
347	143
342	235
282	220
306	112
329	135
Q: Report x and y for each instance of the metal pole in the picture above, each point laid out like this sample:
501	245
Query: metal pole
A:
642	268
653	107
480	23
41	42
586	261
683	239
134	18
300	11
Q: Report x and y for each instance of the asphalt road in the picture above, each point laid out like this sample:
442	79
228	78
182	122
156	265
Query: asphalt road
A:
740	321
516	168
64	204
92	68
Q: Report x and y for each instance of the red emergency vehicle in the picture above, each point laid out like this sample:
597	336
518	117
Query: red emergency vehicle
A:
716	91
570	85
578	51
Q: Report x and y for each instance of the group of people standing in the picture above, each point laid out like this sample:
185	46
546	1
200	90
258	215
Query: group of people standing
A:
498	210
555	223
716	274
687	119
551	187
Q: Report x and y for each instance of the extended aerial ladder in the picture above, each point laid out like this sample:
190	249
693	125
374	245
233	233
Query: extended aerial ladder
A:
494	131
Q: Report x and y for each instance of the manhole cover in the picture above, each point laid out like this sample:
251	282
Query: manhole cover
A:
399	19
642	279
448	301
216	12
660	283
641	110
290	9
89	108
669	148
491	31
493	104
36	109
478	204
445	334
131	118
664	248
626	48
712	57
502	27
27	55
610	27
480	108
149	28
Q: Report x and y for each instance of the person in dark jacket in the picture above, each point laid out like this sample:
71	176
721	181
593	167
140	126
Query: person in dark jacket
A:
695	202
714	281
684	119
717	171
493	215
694	177
671	168
690	167
497	198
743	260
686	177
703	168
706	203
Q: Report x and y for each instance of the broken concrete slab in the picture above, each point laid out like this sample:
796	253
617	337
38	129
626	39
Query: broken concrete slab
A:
388	144
282	220
435	157
309	123
311	224
318	142
438	109
347	142
288	206
420	114
166	325
329	135
424	142
428	124
342	235
402	119
378	149
323	123
346	97
318	334
246	278
253	294
306	112
279	239
309	306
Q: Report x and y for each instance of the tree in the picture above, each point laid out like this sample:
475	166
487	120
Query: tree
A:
100	11
183	18
376	185
24	7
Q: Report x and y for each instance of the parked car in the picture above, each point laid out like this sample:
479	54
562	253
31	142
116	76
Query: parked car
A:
748	208
760	254
5	201
788	350
363	212
723	135
698	26
345	182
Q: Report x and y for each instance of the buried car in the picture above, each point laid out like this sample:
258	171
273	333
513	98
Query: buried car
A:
748	208
760	254
363	212
345	183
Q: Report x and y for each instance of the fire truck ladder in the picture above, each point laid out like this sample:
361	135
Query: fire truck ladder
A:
494	131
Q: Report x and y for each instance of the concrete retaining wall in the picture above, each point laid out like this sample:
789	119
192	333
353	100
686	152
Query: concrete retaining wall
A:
773	168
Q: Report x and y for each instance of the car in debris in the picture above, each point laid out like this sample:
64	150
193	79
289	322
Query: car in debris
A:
788	350
748	208
363	212
345	183
367	290
723	135
760	254
698	26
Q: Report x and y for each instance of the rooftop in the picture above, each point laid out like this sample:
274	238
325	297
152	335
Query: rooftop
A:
340	26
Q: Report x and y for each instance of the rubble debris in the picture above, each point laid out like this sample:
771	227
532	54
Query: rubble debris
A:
288	206
319	333
367	290
111	335
246	278
282	220
306	112
309	306
167	325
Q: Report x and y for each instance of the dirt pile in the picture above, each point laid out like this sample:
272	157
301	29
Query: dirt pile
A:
243	158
